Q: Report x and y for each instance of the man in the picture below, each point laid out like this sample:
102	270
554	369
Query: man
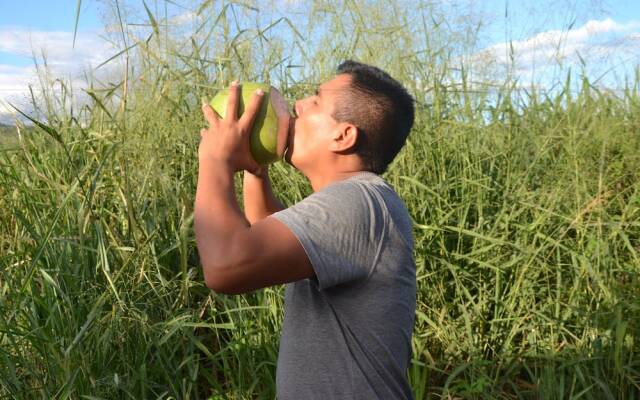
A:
345	252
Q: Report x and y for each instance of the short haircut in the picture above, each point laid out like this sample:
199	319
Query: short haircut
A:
382	110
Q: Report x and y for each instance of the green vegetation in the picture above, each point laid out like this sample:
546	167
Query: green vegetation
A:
526	209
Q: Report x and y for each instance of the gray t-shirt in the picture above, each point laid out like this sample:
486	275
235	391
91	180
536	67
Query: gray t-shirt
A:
347	334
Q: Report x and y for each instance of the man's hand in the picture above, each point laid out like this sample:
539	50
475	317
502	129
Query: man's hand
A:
227	139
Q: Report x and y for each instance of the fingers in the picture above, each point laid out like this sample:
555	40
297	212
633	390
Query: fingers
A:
252	109
210	115
232	102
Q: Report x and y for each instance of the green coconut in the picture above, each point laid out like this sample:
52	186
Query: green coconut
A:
266	148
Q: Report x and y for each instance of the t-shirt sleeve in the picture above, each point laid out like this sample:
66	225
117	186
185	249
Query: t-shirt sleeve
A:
340	229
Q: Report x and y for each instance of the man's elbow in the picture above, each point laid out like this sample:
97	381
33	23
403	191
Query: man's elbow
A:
215	280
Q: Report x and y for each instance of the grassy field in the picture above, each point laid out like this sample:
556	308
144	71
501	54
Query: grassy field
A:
527	224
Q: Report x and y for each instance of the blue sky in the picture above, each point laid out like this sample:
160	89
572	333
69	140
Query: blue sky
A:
543	34
47	16
521	20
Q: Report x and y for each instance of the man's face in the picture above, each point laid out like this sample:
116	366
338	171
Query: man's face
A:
312	129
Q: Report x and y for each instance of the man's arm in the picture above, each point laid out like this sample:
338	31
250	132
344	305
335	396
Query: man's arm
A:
259	200
237	257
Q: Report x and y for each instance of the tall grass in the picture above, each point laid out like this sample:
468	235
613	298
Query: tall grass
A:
526	208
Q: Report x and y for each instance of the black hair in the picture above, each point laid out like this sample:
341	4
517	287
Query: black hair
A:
382	110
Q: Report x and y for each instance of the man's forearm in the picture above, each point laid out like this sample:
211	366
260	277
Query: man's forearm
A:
259	200
217	216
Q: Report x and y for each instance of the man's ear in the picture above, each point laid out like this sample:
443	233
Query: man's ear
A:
344	138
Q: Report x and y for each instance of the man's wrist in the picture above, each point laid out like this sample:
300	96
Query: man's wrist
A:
214	164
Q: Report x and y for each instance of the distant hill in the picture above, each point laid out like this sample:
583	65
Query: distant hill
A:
7	129
8	136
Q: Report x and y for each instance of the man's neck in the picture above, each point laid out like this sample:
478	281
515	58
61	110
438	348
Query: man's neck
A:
321	180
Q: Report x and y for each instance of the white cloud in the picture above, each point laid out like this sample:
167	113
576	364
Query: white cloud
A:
15	79
600	44
562	43
186	17
64	61
14	83
57	46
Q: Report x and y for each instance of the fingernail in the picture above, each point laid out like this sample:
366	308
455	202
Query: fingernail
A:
234	83
204	101
259	92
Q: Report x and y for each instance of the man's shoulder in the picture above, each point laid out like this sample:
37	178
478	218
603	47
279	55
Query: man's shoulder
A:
362	190
363	195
